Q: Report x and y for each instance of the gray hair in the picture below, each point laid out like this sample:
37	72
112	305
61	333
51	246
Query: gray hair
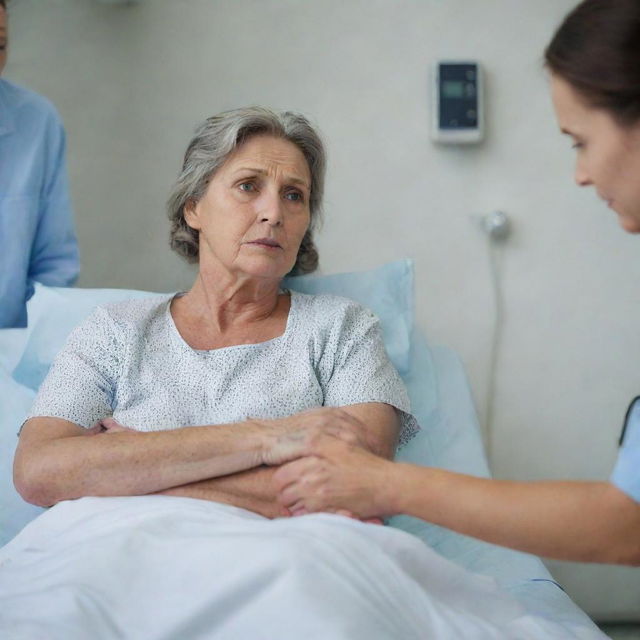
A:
214	140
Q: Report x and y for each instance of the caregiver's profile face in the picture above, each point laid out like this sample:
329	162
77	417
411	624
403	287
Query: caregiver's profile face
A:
3	38
608	154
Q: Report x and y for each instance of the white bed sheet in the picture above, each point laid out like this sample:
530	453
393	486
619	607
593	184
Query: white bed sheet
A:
166	568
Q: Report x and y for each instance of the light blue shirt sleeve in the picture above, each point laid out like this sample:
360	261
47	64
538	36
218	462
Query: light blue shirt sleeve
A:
626	473
37	236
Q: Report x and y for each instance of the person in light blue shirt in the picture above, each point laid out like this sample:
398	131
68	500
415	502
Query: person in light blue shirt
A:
626	473
37	236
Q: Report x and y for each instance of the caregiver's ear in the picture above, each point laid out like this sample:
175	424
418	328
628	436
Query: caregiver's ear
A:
191	214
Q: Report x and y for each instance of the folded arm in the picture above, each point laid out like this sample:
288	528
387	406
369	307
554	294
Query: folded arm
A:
57	460
374	426
252	489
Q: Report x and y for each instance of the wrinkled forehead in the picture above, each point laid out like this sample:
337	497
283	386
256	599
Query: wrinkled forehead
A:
265	151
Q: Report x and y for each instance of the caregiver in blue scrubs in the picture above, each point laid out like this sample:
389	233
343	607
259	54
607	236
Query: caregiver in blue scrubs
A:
594	61
37	237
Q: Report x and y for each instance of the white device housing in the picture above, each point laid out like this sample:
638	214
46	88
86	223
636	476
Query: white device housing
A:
457	105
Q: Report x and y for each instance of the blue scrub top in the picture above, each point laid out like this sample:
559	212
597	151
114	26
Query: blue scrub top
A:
37	236
626	473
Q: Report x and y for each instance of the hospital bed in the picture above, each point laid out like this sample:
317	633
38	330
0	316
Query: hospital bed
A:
434	375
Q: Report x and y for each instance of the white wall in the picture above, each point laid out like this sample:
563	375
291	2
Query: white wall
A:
132	82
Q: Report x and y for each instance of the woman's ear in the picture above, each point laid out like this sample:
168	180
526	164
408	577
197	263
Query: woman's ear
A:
191	216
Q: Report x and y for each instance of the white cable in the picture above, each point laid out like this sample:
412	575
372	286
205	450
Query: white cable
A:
497	228
495	253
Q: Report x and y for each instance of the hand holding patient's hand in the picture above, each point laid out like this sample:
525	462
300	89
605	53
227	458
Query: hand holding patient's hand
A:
300	435
340	476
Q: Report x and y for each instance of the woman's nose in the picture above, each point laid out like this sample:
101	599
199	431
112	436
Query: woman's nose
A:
581	176
271	209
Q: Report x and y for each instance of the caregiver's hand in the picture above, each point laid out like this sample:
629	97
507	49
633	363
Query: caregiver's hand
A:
299	435
339	475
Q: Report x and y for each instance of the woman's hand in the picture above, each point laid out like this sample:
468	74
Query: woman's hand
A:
109	425
337	476
106	425
299	435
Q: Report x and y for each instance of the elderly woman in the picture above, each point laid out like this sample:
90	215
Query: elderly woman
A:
208	380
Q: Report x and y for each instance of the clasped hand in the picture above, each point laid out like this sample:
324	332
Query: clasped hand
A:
326	463
328	466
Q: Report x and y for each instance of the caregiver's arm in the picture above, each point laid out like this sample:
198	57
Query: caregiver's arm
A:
375	428
580	521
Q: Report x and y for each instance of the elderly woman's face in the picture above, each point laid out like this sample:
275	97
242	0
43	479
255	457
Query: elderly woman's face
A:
255	212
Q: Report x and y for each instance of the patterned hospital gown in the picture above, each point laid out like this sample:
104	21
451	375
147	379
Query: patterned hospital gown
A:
129	360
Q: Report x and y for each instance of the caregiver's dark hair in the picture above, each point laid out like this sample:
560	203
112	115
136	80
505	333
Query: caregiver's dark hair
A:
596	50
3	4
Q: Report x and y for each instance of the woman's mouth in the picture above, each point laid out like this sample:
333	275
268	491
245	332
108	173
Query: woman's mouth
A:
607	201
267	243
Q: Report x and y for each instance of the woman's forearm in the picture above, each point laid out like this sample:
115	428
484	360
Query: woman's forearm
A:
56	460
581	521
72	465
252	489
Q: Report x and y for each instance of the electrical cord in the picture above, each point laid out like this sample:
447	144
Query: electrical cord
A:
497	228
495	251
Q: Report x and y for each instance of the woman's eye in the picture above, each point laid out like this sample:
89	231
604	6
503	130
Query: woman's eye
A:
248	187
295	196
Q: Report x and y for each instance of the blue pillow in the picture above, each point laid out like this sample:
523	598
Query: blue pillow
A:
387	291
12	344
15	401
54	312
